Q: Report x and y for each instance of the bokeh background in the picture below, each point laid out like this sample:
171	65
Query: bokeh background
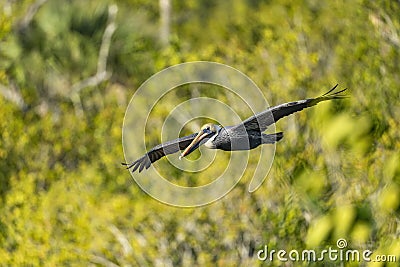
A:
69	68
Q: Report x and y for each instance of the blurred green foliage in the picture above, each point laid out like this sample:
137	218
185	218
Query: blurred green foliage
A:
64	198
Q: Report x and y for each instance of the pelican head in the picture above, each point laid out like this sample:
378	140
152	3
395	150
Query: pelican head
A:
207	131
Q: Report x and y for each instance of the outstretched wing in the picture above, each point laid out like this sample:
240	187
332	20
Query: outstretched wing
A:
261	121
160	151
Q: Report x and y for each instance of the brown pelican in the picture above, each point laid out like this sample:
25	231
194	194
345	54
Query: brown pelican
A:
244	136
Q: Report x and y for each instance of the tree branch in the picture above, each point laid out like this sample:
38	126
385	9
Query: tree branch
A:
103	261
126	246
32	10
101	73
12	95
165	13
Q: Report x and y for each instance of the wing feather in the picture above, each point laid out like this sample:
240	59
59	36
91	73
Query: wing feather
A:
160	151
261	121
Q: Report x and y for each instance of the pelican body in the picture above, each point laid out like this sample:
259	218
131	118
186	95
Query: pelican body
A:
245	136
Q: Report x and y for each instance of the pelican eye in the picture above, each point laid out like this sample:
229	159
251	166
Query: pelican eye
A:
206	127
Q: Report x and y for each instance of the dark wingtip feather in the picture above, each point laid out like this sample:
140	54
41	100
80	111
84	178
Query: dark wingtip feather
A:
135	168
148	164
141	168
330	95
335	95
130	165
142	165
333	88
126	164
341	91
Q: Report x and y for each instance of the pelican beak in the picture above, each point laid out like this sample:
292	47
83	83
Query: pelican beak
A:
196	142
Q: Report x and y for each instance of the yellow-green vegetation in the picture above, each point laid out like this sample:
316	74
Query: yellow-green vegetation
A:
65	199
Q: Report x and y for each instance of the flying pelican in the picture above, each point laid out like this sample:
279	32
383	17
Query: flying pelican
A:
244	136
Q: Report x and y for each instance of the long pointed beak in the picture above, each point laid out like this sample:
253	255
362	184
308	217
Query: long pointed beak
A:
195	143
